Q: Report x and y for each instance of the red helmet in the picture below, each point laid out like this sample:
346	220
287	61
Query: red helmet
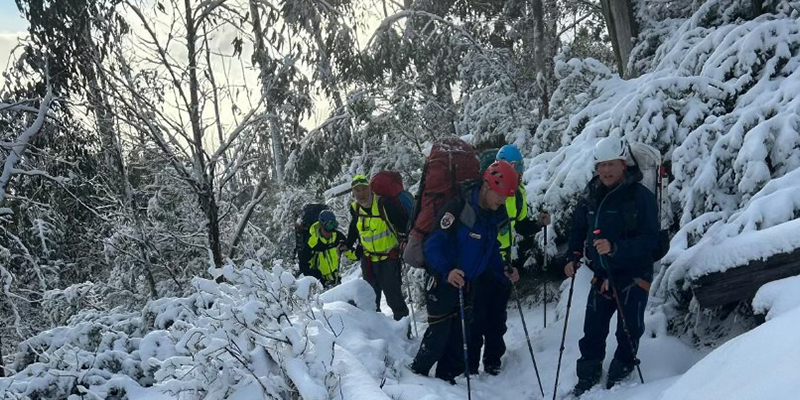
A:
502	178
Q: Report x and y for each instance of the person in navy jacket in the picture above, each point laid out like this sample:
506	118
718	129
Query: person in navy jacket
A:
463	246
617	222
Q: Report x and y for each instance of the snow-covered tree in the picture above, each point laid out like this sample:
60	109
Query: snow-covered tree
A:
716	97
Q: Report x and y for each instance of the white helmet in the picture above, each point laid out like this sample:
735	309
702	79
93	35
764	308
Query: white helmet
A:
610	148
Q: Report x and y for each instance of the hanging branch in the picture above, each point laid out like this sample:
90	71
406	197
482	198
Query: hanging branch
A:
18	148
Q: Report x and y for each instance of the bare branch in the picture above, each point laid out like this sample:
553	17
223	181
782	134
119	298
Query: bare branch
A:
238	130
161	51
207	8
257	197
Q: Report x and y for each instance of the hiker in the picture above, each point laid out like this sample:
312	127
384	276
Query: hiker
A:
616	221
491	294
326	244
462	246
379	227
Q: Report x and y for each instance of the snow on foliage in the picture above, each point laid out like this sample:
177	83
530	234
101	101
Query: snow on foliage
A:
263	334
494	104
719	98
265	330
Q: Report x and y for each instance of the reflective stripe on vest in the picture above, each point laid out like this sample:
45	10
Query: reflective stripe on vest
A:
375	233
326	261
505	232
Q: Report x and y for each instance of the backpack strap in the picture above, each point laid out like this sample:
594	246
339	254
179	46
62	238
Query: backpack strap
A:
633	157
382	215
520	202
629	201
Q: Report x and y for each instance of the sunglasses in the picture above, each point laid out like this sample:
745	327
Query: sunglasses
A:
330	225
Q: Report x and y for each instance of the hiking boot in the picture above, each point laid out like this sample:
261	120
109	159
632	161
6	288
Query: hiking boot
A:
617	371
449	378
418	370
582	387
491	369
589	372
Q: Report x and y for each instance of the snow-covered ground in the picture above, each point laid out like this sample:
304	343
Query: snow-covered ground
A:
333	345
664	358
761	364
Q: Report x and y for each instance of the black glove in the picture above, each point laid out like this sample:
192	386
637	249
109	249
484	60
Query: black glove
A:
359	251
576	258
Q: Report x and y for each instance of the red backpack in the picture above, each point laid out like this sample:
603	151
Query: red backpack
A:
451	162
388	185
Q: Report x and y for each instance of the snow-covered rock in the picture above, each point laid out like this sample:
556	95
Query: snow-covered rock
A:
778	297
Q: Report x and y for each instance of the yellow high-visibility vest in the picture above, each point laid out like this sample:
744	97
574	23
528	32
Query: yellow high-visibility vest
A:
376	235
326	261
517	211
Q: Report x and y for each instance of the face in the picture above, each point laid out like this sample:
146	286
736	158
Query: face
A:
611	173
362	195
491	199
326	233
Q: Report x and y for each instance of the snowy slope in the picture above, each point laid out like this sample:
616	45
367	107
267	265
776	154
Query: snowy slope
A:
761	364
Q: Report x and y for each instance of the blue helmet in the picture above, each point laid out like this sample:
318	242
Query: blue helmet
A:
328	220
511	154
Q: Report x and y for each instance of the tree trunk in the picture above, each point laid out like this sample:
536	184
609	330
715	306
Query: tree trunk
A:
101	108
259	54
757	7
277	148
2	363
112	151
203	177
218	117
540	57
623	29
441	113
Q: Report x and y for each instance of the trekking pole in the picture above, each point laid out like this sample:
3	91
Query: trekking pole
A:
564	334
524	324
410	301
527	337
544	280
2	364
620	315
464	339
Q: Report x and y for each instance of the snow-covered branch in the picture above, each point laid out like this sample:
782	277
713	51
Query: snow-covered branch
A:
19	147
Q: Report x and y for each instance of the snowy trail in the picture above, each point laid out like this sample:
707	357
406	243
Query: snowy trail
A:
664	358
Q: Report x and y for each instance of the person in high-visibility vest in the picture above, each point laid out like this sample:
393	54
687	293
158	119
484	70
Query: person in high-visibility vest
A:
492	294
326	244
379	227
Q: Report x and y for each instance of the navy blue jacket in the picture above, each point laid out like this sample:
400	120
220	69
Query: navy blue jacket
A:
627	217
465	238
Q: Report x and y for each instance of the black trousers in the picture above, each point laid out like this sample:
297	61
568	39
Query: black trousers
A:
490	306
442	342
385	276
600	307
